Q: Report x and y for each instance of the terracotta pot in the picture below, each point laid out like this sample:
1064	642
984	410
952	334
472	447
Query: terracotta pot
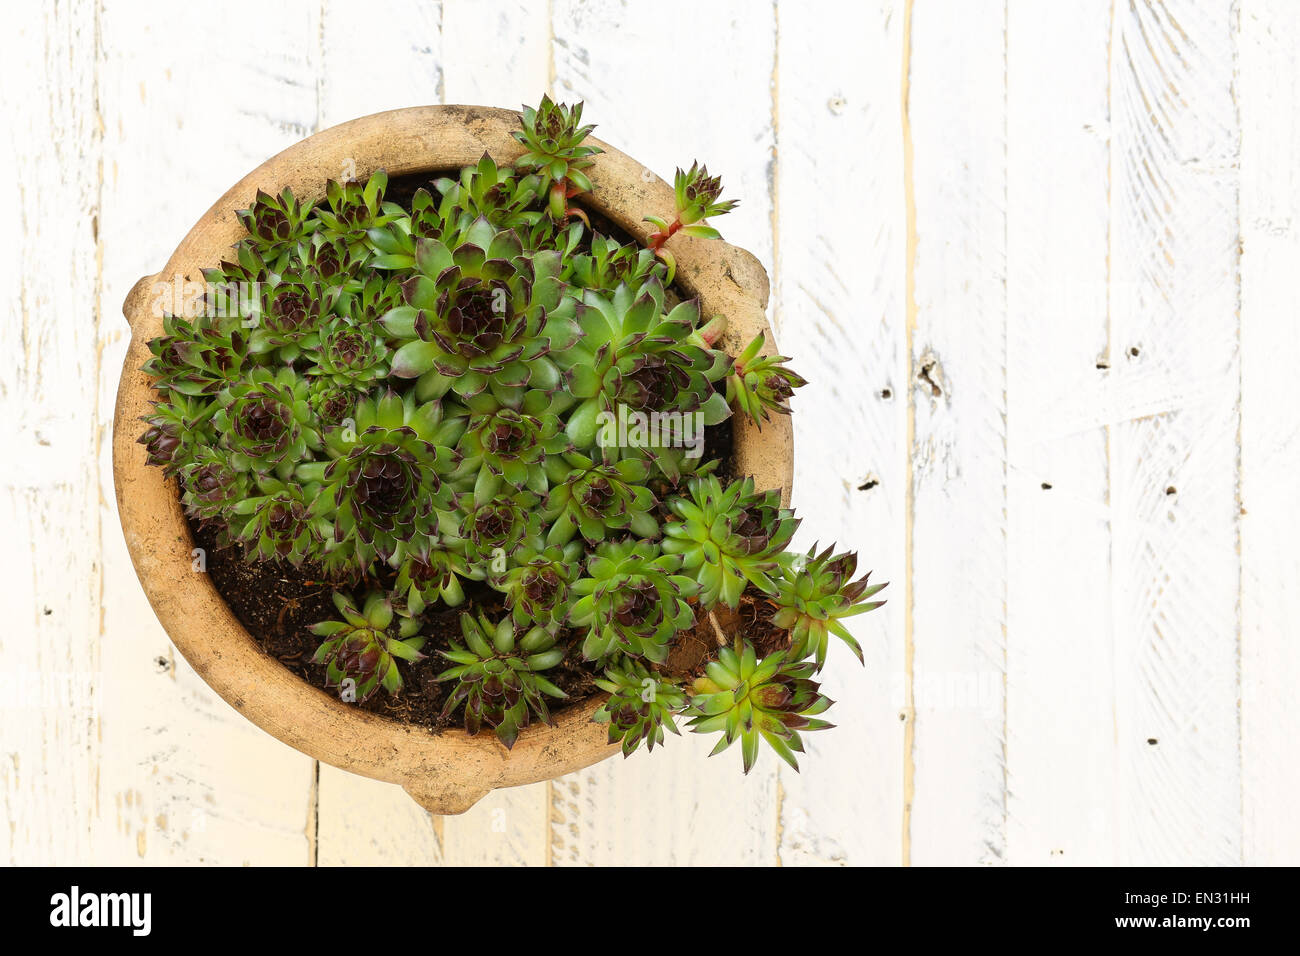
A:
447	772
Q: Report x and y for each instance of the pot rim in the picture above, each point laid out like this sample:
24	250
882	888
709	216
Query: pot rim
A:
446	771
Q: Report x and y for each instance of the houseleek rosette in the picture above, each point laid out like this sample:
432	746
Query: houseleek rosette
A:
536	586
353	208
199	356
554	137
429	571
728	536
498	676
598	499
365	645
492	529
210	487
176	431
632	600
759	385
482	311
384	486
349	355
276	224
749	700
288	317
277	522
507	443
814	592
641	705
265	421
632	354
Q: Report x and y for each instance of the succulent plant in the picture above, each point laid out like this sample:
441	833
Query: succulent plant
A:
498	676
814	593
641	705
483	309
474	400
327	258
265	421
497	194
277	223
288	317
761	384
597	499
176	430
349	355
211	486
429	571
386	484
610	264
632	601
728	537
331	404
277	523
195	358
554	136
365	645
695	194
508	444
492	529
537	584
748	700
634	355
353	208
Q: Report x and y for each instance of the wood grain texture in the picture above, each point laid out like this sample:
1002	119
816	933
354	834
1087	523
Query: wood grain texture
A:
498	56
184	778
840	308
1012	244
1060	685
957	395
1173	444
50	753
1269	98
675	807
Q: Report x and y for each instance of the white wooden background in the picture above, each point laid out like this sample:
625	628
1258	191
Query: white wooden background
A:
1039	261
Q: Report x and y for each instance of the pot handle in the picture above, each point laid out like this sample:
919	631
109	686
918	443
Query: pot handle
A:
137	301
445	800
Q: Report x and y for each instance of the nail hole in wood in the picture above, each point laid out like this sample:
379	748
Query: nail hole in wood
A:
1151	741
925	376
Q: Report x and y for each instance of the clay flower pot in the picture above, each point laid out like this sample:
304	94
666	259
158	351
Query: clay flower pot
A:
450	771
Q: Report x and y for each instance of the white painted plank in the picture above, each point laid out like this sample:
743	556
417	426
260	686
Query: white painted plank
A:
1269	98
1174	328
452	52
49	661
184	778
675	807
377	55
1060	668
497	54
841	240
957	392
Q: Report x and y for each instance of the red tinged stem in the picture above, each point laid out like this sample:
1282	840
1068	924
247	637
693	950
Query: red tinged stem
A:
659	238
